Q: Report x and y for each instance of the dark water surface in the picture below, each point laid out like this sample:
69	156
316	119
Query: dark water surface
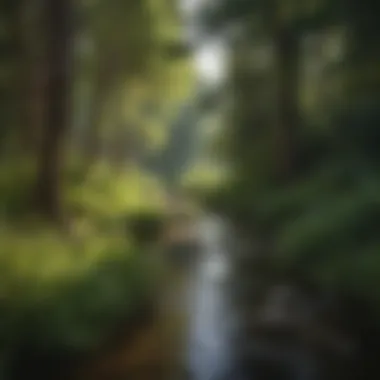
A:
219	346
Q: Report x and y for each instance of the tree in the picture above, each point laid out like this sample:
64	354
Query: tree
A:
58	17
134	41
282	26
322	221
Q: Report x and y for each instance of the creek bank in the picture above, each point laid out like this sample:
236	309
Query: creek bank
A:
292	327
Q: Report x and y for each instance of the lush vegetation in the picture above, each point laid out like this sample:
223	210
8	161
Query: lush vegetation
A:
87	95
99	120
301	135
68	288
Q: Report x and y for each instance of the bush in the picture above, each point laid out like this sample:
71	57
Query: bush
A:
16	182
108	193
146	227
66	293
102	193
59	295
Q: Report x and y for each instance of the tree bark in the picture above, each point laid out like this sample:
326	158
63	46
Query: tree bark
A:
32	88
57	15
286	51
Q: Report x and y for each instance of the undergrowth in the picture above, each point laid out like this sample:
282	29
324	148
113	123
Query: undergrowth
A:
61	291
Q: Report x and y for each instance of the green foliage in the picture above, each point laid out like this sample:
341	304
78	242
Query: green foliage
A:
15	187
323	219
102	193
202	176
308	15
108	193
146	227
136	42
68	291
324	225
59	293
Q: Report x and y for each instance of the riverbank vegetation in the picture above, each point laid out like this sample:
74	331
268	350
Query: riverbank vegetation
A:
301	134
87	89
102	118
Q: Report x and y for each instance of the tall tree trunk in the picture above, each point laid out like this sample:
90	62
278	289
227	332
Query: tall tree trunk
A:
286	50
12	86
58	58
32	76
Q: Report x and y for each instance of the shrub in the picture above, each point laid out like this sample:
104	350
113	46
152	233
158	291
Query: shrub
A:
57	294
108	193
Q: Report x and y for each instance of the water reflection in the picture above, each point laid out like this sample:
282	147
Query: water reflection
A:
242	327
209	355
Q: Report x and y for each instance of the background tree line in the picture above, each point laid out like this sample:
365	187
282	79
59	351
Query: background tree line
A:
301	130
88	91
87	80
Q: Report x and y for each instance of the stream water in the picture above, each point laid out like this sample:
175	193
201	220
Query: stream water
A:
238	322
210	297
209	353
216	336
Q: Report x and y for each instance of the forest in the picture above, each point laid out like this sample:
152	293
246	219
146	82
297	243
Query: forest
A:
108	132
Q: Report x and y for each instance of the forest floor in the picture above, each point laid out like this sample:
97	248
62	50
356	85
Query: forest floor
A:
155	350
